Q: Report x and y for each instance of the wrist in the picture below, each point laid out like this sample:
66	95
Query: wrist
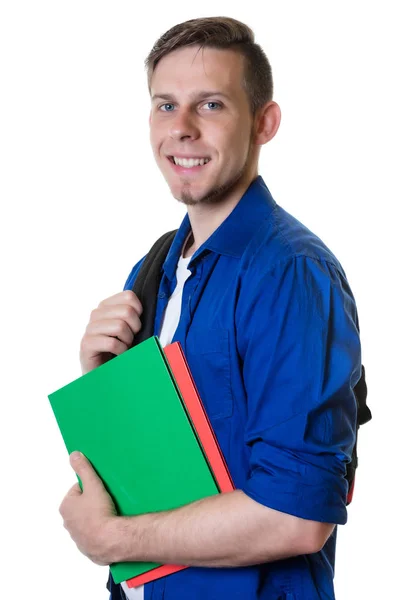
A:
118	534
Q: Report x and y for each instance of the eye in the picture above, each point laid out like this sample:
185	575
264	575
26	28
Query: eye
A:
212	105
168	107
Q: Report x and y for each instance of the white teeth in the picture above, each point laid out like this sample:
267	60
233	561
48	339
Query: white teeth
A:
190	162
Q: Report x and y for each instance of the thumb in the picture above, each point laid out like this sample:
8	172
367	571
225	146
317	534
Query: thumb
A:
84	469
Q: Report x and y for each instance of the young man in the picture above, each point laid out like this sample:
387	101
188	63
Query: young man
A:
269	326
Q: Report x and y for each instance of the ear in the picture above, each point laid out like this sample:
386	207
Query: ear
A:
267	123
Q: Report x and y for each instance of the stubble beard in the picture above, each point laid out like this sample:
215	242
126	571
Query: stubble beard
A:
218	193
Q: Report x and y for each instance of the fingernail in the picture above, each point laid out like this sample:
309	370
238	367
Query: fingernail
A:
76	455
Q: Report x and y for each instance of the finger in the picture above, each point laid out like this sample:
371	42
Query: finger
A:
118	312
127	297
75	490
112	327
84	470
94	345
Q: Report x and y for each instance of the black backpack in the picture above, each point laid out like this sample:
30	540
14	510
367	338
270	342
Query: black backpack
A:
146	287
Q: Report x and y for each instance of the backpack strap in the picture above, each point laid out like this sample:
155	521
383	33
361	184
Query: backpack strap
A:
147	284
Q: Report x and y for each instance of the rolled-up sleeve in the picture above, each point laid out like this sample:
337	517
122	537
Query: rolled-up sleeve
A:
299	342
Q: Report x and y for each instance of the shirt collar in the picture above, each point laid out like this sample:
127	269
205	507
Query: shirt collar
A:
235	232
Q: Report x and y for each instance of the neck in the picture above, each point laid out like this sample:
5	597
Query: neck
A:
188	248
206	218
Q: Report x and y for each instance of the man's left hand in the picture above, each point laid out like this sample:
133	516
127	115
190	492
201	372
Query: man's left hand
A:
90	515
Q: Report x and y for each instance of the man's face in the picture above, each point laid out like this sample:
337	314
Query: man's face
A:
200	110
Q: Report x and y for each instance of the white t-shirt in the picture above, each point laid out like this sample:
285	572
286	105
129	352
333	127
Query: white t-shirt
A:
169	325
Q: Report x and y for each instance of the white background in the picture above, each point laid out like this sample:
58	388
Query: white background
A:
82	200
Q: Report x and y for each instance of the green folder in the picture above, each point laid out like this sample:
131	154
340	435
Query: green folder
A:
128	418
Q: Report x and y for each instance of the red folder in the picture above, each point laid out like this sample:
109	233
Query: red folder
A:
205	434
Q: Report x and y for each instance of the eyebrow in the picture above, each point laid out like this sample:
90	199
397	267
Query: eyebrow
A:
200	96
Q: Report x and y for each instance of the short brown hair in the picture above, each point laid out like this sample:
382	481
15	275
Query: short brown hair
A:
222	33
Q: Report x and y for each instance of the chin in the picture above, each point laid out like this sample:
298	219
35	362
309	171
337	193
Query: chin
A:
188	194
186	197
208	197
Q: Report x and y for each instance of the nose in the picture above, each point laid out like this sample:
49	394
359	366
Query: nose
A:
183	125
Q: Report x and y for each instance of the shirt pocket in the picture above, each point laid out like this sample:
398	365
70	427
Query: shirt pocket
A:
209	360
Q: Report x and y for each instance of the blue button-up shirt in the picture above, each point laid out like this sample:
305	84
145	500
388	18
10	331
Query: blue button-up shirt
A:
270	330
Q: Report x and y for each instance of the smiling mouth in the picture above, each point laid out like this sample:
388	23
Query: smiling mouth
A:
189	163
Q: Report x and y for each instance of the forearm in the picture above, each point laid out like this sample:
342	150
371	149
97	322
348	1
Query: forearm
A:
220	531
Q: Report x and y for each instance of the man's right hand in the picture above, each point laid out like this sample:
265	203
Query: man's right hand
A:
111	329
